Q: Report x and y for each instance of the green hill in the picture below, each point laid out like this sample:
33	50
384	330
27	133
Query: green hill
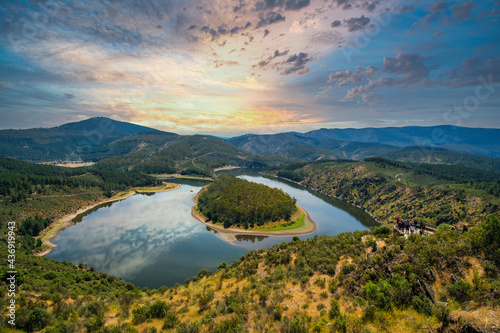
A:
86	140
190	155
233	201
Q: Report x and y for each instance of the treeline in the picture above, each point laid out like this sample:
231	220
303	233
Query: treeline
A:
235	201
452	173
30	228
19	180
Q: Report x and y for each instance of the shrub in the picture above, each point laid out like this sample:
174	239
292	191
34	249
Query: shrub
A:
36	319
334	309
193	327
158	310
460	291
379	295
205	298
171	320
140	315
382	231
422	305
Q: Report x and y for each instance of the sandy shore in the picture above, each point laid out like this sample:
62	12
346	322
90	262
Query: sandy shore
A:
67	221
230	234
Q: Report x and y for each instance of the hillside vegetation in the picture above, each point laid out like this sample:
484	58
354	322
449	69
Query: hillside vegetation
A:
234	201
353	282
29	190
430	193
195	155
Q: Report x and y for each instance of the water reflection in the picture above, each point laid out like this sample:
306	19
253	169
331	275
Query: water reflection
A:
153	240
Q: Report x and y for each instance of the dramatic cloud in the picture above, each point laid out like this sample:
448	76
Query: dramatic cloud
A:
296	64
403	71
227	66
357	23
269	18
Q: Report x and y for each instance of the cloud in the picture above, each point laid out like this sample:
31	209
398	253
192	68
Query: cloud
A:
296	4
335	23
265	62
462	11
437	34
296	64
356	23
269	18
470	72
344	78
403	9
343	4
402	71
287	5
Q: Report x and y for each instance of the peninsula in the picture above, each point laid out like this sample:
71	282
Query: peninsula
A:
234	206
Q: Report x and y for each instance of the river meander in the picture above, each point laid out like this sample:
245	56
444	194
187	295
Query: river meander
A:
152	240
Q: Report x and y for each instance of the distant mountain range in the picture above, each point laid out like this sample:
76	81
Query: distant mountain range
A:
127	146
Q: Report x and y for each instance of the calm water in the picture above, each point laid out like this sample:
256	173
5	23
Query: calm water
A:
152	240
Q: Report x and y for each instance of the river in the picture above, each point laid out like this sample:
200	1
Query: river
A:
152	240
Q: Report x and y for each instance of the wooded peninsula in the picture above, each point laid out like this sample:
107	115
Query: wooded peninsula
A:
239	202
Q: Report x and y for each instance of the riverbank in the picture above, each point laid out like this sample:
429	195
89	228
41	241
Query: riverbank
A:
177	175
67	221
307	227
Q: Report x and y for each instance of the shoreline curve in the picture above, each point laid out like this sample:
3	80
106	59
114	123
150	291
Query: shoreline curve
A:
230	234
66	221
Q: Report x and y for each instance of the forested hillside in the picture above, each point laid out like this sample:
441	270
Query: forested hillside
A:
28	189
430	193
86	140
234	201
194	155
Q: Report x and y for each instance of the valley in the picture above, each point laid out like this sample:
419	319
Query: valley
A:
142	262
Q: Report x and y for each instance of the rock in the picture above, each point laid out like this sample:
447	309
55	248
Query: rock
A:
432	275
454	279
443	282
429	291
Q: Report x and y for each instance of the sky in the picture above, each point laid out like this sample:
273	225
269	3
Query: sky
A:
231	67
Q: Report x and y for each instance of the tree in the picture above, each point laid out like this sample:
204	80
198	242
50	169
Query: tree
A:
490	236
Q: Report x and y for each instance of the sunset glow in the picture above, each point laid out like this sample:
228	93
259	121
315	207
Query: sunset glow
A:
234	67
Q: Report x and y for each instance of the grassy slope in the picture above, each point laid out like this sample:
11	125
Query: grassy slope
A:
390	192
282	289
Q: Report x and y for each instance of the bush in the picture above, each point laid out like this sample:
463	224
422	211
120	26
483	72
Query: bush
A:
297	325
379	295
158	310
171	320
193	327
460	291
140	315
205	298
490	236
382	231
37	319
334	309
422	305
